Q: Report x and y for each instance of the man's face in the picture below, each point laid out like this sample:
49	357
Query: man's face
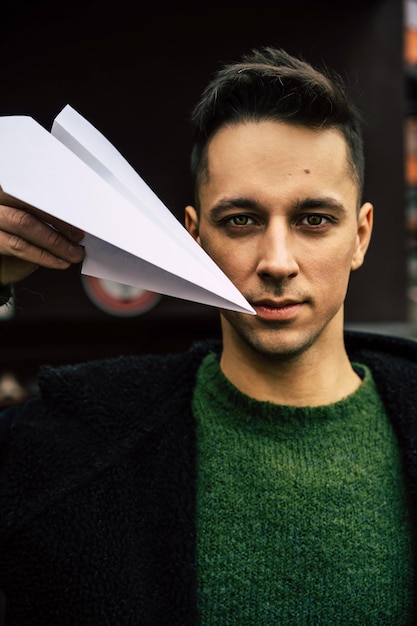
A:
279	215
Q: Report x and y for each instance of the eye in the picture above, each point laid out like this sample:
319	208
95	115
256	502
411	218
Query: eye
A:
240	220
314	220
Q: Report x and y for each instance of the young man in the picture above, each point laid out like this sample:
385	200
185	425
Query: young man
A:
269	479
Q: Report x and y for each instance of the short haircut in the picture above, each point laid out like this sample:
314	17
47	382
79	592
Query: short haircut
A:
270	84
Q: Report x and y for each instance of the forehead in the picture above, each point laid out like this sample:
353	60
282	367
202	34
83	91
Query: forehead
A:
275	155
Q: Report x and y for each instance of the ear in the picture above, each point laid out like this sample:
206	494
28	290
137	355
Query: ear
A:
363	237
191	223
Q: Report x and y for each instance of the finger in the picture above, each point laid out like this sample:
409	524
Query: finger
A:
18	248
69	231
27	237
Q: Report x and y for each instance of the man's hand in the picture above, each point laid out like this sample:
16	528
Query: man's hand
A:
29	238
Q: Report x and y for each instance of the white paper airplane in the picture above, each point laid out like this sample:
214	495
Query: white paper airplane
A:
75	174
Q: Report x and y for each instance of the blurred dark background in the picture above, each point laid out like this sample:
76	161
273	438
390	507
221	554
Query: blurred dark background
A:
135	71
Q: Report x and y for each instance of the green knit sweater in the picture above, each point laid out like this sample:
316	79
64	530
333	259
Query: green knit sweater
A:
301	512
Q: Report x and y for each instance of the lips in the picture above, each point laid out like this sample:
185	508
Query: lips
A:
283	309
275	304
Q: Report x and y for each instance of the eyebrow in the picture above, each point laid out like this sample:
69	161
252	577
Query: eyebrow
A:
321	202
247	203
234	203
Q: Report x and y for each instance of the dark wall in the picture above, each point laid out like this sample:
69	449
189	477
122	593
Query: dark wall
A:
135	72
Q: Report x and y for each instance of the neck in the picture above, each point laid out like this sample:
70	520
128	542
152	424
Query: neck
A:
316	377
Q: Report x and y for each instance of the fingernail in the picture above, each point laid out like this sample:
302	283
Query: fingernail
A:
76	234
76	252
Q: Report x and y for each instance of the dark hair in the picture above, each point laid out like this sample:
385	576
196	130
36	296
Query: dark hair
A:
271	84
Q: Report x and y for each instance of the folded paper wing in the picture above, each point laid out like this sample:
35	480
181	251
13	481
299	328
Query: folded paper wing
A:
76	175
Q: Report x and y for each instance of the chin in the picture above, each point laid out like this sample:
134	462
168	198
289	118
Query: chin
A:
277	341
281	346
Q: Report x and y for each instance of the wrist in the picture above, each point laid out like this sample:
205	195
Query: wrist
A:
6	293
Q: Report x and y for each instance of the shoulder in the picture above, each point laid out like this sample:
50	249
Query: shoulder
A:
89	418
393	362
112	385
110	393
389	356
374	345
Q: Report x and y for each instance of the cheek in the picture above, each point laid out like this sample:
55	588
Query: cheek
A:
331	270
236	263
235	268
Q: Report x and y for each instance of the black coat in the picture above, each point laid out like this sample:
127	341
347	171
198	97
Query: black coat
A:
98	486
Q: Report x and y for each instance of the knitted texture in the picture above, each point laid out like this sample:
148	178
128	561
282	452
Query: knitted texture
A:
98	487
301	513
96	514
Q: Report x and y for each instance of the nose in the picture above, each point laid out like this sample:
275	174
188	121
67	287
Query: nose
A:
276	254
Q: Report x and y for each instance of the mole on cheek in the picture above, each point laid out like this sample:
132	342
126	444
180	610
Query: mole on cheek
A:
307	171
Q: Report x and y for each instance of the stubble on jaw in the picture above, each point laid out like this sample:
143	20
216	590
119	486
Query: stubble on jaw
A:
266	342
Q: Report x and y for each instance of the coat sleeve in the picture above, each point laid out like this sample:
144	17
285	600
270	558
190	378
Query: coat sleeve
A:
14	415
6	292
